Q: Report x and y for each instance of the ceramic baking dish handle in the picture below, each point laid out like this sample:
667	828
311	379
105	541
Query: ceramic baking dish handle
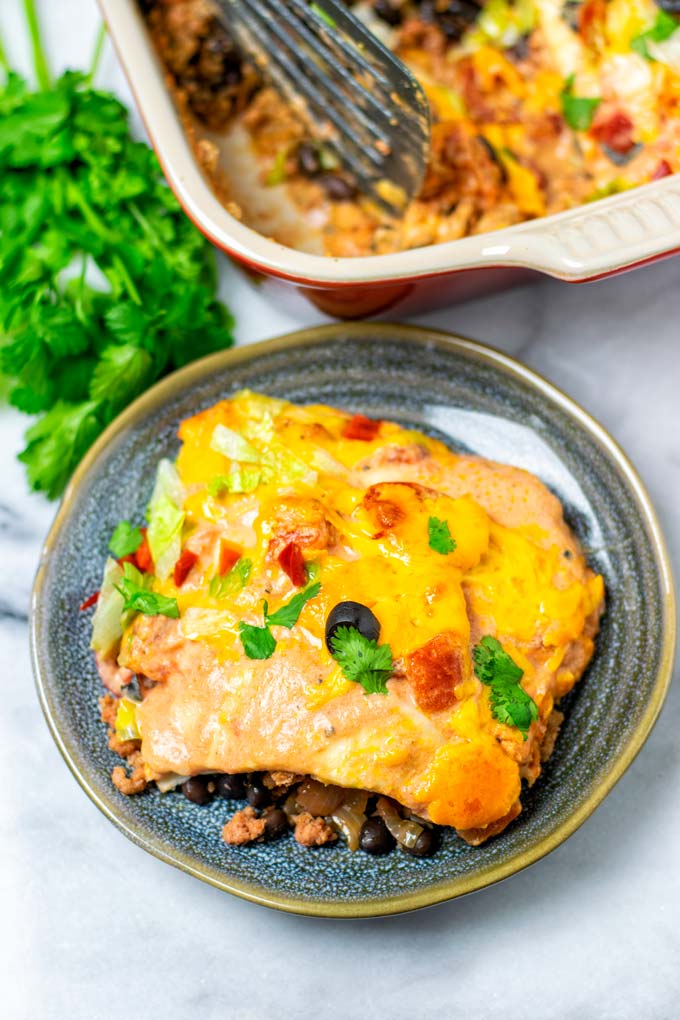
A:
594	239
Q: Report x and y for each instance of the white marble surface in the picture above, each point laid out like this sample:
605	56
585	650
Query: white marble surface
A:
91	927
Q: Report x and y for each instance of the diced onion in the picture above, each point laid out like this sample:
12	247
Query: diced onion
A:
319	799
405	832
349	817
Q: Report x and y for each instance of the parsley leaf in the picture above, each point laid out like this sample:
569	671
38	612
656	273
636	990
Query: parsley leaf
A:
57	442
125	540
663	28
105	285
363	661
288	614
138	599
439	535
222	585
578	111
510	703
258	642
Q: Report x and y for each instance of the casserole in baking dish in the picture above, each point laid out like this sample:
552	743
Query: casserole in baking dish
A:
526	126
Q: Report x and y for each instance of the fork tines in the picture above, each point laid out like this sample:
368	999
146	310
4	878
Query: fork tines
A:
360	101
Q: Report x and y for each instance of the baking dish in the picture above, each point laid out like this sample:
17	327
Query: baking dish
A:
584	244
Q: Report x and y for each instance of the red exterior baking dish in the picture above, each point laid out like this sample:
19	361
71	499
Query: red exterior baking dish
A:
584	244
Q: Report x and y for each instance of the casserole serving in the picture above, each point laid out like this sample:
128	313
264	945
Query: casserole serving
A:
333	596
584	243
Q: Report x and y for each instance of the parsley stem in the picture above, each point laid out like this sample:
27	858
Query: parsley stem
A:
42	71
97	52
96	226
4	62
144	223
128	282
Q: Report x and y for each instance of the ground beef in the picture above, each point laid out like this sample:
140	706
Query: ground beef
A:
311	831
280	780
108	707
244	827
135	781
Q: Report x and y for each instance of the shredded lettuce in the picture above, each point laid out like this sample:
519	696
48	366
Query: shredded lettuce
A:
107	627
240	479
284	467
233	445
166	517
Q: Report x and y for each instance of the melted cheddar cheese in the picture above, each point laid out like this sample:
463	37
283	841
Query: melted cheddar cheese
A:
357	504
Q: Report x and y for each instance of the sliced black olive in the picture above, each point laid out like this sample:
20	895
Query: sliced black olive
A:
230	787
351	614
196	790
670	6
275	823
257	794
375	837
428	843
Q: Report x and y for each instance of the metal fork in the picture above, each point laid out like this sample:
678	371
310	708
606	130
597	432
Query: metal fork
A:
360	101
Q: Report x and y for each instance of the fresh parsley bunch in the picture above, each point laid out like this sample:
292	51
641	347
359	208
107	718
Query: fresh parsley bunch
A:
105	285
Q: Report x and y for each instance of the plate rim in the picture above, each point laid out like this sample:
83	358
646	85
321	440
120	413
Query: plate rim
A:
187	377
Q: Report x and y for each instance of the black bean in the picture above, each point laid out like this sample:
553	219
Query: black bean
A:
428	843
452	18
354	615
388	12
257	794
275	824
670	6
230	787
338	188
196	790
308	160
375	837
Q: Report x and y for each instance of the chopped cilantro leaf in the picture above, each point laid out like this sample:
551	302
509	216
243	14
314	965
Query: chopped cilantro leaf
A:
439	535
362	661
510	703
137	598
288	614
578	111
125	540
258	642
663	28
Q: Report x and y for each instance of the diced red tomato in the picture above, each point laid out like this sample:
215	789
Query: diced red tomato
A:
616	132
142	557
90	601
664	169
361	427
229	555
293	564
184	564
591	23
143	560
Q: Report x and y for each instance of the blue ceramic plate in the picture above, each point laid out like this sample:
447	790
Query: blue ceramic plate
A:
474	399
